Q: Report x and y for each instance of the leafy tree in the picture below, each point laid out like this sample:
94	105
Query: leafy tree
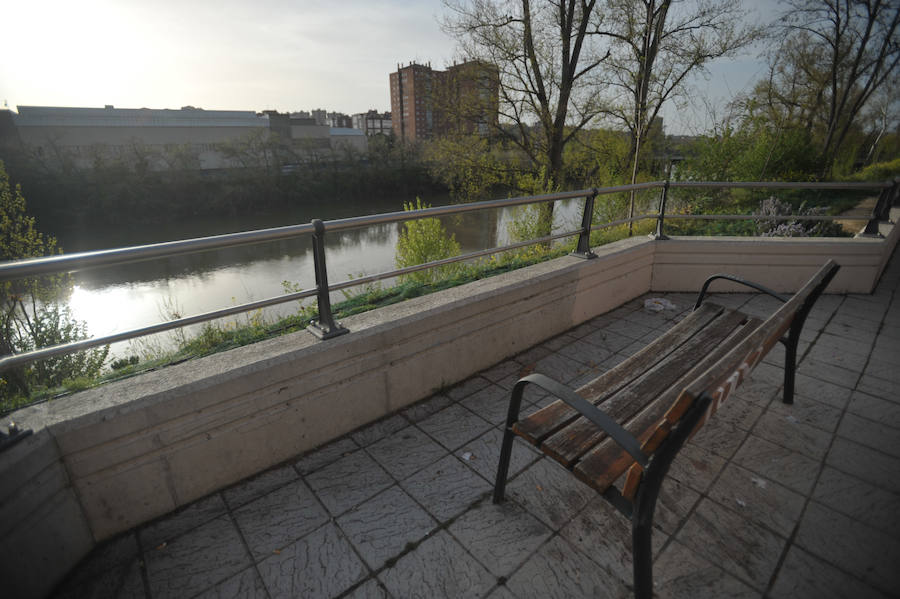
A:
30	316
835	56
654	46
548	63
425	240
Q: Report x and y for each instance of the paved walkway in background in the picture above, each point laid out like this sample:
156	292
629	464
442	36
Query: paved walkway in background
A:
767	501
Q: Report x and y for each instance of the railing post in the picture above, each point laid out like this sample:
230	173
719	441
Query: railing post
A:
583	250
661	217
880	212
324	327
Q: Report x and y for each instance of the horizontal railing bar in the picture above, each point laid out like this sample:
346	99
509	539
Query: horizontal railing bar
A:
622	221
94	259
763	217
443	262
8	362
82	260
435	211
784	184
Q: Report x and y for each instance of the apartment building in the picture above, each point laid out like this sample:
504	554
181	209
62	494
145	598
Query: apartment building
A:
426	102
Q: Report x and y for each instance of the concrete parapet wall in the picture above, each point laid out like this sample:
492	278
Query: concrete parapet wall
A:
105	460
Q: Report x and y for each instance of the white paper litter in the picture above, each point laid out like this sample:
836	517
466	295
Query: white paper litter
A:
758	482
467	456
741	502
658	304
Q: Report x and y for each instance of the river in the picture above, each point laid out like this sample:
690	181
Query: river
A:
115	299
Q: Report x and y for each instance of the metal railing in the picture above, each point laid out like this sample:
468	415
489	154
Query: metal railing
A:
325	326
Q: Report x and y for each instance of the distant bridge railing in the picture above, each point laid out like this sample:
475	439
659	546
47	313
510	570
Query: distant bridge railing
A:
325	326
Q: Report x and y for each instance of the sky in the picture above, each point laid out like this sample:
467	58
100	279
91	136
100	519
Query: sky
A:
241	55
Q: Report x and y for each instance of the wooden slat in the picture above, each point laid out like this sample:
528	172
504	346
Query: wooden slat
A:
538	426
607	461
576	439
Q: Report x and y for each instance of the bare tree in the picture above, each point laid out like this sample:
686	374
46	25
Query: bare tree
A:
840	52
654	46
548	63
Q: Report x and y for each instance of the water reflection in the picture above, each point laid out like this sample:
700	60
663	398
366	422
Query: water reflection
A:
115	299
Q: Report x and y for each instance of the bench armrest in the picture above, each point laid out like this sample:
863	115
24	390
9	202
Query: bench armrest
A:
735	279
616	432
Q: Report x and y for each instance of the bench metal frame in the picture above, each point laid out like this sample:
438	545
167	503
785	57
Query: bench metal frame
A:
641	510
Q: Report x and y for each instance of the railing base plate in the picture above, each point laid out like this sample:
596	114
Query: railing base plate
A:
324	332
584	255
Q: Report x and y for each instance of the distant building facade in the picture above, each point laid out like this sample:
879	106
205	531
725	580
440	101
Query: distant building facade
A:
373	123
427	102
186	138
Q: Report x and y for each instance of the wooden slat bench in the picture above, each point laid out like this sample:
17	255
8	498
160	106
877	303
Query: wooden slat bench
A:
627	425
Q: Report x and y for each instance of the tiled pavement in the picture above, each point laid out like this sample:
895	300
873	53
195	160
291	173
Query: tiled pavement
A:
767	501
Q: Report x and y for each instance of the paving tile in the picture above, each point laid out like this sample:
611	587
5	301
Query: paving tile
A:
808	411
884	370
259	485
454	426
609	340
501	370
405	452
858	499
878	387
604	535
787	431
675	502
325	455
379	430
871	434
838	356
425	408
245	584
696	467
538	352
875	409
560	570
585	353
679	573
821	371
446	488
742	548
123	581
381	527
111	556
491	403
321	564
779	464
803	575
439	567
850	346
197	560
870	465
758	499
279	518
483	455
348	482
720	437
629	328
501	537
549	492
739	414
370	589
177	523
866	552
467	387
560	368
825	392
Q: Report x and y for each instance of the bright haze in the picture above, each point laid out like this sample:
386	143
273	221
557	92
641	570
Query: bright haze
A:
241	55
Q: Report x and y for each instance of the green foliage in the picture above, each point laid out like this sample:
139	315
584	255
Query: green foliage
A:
880	171
470	166
425	240
30	312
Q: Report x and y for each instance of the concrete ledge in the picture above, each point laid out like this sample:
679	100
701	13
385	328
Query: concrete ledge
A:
108	459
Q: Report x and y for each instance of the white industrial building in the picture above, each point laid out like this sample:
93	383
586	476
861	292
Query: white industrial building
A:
86	135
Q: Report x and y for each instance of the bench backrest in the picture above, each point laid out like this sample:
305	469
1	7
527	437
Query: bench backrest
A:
721	379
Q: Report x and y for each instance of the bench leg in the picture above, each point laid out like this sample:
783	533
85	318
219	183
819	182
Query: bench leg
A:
790	368
642	556
512	416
